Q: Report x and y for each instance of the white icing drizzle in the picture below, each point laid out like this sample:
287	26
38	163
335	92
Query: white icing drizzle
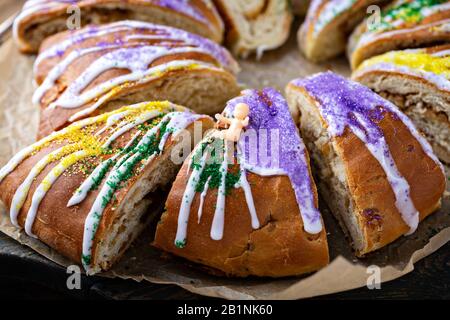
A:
167	34
202	200
219	214
217	227
378	146
442	53
58	70
26	152
175	123
188	197
140	73
46	184
22	191
398	183
81	193
136	60
130	51
140	120
243	183
428	11
96	212
109	85
30	7
113	120
82	35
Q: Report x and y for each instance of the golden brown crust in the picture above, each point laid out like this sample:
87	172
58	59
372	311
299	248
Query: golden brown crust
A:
279	248
371	194
62	227
105	11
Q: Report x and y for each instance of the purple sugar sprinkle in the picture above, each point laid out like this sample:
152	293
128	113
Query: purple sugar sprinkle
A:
269	111
184	7
345	103
185	38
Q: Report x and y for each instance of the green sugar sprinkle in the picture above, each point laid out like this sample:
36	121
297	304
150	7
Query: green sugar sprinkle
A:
143	152
410	12
213	169
86	259
99	178
180	244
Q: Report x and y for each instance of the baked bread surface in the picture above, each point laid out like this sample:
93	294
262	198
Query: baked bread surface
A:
87	190
276	239
418	82
100	68
372	209
42	18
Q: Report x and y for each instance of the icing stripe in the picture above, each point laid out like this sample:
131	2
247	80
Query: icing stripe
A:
127	45
46	184
133	30
243	183
188	197
22	191
202	200
219	214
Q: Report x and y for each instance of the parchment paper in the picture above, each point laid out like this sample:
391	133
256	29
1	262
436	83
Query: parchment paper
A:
18	123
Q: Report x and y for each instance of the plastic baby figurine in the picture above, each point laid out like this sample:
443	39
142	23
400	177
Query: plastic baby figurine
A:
236	124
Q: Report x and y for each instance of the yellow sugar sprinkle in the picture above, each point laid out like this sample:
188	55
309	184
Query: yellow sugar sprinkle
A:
46	184
81	135
415	60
